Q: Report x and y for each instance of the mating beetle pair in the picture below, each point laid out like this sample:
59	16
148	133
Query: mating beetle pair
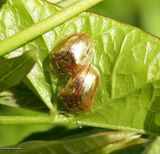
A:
73	56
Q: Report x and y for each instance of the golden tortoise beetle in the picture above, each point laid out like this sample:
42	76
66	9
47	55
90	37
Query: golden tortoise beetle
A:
73	56
80	90
73	53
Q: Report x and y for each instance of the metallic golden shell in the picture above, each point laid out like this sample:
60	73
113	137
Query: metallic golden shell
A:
80	90
73	53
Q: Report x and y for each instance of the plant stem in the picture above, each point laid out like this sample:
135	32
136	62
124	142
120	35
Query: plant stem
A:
44	26
10	120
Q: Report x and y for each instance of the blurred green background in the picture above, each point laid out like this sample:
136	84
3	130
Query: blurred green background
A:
141	13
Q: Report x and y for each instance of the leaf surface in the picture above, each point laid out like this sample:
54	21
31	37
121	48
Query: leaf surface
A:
15	69
127	58
21	97
153	148
72	144
15	15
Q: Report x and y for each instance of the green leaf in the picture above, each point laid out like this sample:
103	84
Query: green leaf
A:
54	1
15	16
154	147
137	64
137	111
115	44
125	147
65	3
144	14
34	31
131	150
19	97
15	69
72	144
13	134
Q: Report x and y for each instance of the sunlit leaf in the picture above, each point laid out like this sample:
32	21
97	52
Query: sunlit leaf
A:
127	58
